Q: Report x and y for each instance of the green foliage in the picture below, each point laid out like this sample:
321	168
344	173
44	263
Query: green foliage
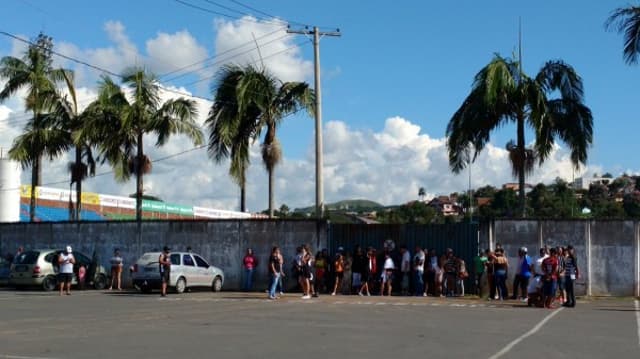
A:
410	213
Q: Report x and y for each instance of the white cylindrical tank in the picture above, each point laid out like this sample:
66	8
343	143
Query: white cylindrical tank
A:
9	190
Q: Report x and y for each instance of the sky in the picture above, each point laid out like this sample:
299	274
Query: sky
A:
390	84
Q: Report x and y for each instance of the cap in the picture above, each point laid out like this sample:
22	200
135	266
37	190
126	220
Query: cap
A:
69	249
166	249
524	249
340	249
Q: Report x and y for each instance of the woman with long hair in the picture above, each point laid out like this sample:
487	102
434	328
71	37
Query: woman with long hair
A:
338	266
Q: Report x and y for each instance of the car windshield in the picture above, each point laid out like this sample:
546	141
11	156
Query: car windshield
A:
30	257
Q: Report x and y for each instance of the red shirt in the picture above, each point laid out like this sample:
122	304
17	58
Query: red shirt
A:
550	267
249	261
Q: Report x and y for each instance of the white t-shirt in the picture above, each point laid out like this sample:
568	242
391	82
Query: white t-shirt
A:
388	264
406	262
433	261
419	258
538	264
116	260
66	266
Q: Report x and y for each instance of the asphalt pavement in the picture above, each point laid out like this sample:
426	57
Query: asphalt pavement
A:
95	324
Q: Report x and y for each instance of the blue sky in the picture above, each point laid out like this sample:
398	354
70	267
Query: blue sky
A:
415	61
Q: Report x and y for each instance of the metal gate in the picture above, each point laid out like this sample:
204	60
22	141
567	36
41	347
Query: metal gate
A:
461	237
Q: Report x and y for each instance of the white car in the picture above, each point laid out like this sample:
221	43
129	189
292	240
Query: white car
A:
188	270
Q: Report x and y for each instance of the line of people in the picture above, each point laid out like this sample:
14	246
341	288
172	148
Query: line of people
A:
364	272
538	281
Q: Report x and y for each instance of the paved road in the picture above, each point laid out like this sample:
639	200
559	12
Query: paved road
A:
233	325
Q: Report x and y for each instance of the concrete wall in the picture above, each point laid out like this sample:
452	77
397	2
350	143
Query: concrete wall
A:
221	242
608	251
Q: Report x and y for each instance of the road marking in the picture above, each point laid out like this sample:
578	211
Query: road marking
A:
524	336
638	319
7	356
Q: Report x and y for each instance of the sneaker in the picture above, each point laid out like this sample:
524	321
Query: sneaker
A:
306	297
314	295
272	298
424	294
360	294
281	293
525	300
334	293
368	294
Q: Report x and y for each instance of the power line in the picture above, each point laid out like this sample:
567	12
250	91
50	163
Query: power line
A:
153	161
220	54
266	14
228	58
252	62
214	12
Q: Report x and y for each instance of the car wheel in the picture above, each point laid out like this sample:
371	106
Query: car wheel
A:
49	283
216	286
101	282
181	285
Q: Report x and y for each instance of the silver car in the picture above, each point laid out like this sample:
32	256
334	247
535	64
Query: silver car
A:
188	270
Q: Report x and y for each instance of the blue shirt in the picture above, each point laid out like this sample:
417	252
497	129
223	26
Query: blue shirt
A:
525	270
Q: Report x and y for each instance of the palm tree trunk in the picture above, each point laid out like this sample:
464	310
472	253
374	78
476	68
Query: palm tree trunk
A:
271	193
138	169
78	179
243	198
35	169
521	171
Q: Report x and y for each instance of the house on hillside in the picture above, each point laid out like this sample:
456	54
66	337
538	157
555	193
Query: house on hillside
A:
516	187
445	206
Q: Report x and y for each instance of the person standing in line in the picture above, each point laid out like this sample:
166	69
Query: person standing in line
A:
479	262
338	266
275	269
405	270
491	276
418	267
387	275
450	273
571	273
526	267
366	273
321	266
501	267
249	264
357	268
550	271
18	253
307	263
164	263
431	270
517	278
462	276
561	275
116	269
66	260
282	275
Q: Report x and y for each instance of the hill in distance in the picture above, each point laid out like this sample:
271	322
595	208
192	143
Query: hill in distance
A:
352	205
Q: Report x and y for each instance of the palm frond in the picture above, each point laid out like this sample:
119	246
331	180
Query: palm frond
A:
557	75
626	20
521	160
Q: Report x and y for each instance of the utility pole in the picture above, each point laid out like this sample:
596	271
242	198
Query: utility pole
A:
317	34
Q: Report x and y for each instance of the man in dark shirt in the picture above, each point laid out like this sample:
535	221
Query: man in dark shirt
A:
164	263
357	267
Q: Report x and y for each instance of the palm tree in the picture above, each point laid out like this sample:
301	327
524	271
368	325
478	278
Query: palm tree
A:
120	122
231	132
626	20
34	72
421	193
501	94
65	112
262	101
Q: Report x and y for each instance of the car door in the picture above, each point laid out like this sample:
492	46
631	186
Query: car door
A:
176	268
204	273
190	270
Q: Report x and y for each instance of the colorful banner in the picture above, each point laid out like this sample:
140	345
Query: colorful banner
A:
90	198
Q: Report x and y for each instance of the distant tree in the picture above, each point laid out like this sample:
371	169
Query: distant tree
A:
284	210
421	193
485	192
607	175
631	205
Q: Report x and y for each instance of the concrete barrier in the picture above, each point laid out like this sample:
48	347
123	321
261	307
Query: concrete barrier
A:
608	252
221	242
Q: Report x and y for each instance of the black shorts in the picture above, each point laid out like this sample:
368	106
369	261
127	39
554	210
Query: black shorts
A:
164	276
364	277
339	275
65	277
306	272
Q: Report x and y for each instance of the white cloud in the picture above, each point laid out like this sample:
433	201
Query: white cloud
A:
278	49
170	52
